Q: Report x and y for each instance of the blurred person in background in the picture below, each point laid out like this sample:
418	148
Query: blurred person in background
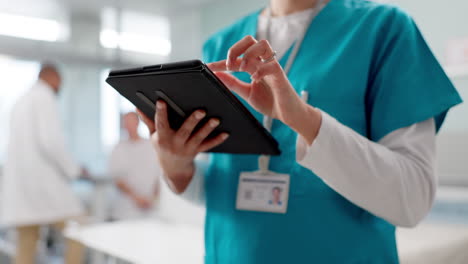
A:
36	187
136	172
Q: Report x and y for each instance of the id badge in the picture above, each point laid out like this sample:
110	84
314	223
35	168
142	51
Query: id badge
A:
264	192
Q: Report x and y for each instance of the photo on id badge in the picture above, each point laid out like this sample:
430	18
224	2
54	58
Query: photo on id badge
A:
264	193
276	196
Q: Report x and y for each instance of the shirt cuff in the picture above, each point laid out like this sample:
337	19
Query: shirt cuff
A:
308	154
195	191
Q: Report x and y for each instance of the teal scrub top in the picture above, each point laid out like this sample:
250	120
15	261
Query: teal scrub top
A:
367	65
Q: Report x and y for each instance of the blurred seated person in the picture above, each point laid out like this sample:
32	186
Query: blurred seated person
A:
135	170
36	187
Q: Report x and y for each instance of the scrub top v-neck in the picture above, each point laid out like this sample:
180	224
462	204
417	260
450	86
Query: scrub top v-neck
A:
350	65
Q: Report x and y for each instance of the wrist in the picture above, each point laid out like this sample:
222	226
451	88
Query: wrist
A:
133	196
179	179
307	122
181	171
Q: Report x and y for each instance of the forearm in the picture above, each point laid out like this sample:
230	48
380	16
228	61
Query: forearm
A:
125	188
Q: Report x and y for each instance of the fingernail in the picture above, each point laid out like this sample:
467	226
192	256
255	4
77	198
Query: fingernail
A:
199	114
214	122
224	136
159	105
254	76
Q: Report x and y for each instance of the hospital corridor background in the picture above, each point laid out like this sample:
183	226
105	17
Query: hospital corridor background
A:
138	219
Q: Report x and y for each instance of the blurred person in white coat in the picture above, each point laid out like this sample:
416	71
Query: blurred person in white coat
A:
35	186
133	166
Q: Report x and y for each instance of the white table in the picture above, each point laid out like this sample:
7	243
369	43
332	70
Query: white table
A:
155	241
433	244
143	242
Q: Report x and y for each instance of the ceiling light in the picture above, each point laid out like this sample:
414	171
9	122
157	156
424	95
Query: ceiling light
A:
30	28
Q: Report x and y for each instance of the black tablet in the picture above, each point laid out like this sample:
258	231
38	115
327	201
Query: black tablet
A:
188	86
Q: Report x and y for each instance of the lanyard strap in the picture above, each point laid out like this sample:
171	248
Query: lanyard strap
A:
264	160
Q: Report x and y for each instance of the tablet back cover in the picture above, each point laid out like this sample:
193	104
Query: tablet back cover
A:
189	89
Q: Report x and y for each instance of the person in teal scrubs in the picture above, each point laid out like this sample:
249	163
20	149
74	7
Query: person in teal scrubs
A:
363	63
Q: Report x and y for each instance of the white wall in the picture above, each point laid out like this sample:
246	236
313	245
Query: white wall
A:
80	105
439	21
186	35
216	15
452	142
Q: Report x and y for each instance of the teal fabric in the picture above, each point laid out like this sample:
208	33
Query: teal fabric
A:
367	65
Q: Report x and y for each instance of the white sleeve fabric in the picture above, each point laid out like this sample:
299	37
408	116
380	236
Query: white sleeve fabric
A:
393	179
195	191
51	139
